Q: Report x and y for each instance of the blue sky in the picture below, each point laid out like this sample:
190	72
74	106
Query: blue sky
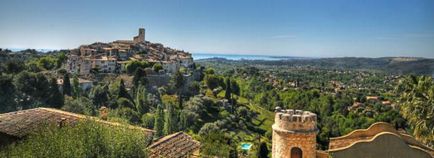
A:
313	28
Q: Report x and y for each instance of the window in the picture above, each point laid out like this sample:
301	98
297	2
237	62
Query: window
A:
296	152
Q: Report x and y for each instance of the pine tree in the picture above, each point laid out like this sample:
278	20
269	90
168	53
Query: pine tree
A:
66	85
159	121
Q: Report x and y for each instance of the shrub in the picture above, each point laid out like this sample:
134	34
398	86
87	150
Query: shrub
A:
85	139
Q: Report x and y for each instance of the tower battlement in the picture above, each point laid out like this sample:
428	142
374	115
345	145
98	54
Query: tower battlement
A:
295	120
294	133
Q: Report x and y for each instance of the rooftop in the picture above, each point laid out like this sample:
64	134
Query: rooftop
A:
23	122
174	145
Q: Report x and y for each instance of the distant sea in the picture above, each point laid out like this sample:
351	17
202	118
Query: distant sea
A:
39	50
199	56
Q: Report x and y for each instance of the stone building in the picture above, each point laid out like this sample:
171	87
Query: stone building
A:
294	134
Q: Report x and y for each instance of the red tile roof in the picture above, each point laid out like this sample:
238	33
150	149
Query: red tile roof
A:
177	145
20	123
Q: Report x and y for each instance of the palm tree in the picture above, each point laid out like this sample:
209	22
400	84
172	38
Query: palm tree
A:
416	100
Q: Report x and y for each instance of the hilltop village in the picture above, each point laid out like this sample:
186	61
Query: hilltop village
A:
134	98
113	57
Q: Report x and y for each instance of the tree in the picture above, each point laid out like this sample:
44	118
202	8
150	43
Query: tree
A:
170	120
178	81
32	89
417	105
139	77
66	85
100	95
235	88
76	89
80	105
263	150
123	93
141	100
212	81
157	67
228	92
14	67
159	121
56	98
7	93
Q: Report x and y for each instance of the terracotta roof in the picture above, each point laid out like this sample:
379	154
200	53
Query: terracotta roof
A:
20	123
177	145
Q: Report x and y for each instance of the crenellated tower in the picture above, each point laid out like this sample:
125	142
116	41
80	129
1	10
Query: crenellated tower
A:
294	134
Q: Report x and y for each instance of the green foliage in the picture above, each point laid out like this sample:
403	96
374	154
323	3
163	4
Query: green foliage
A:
80	105
14	67
122	91
263	150
141	100
157	67
132	66
100	95
66	85
128	114
33	89
417	105
86	139
76	88
213	81
170	120
7	94
228	90
55	98
148	120
139	77
159	121
214	145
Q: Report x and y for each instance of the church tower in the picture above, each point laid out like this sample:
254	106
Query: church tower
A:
294	134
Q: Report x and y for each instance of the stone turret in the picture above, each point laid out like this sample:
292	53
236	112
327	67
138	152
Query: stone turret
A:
294	134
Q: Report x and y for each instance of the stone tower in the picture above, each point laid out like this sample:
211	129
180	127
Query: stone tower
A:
141	37
294	134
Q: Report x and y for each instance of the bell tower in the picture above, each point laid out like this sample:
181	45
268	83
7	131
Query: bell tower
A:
294	134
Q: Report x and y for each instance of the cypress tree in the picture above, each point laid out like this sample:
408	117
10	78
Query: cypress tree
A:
263	151
123	93
228	89
159	121
170	120
179	84
66	85
55	97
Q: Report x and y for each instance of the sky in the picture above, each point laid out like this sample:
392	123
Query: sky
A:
309	28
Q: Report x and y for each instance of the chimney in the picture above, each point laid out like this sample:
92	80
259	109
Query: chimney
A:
103	112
